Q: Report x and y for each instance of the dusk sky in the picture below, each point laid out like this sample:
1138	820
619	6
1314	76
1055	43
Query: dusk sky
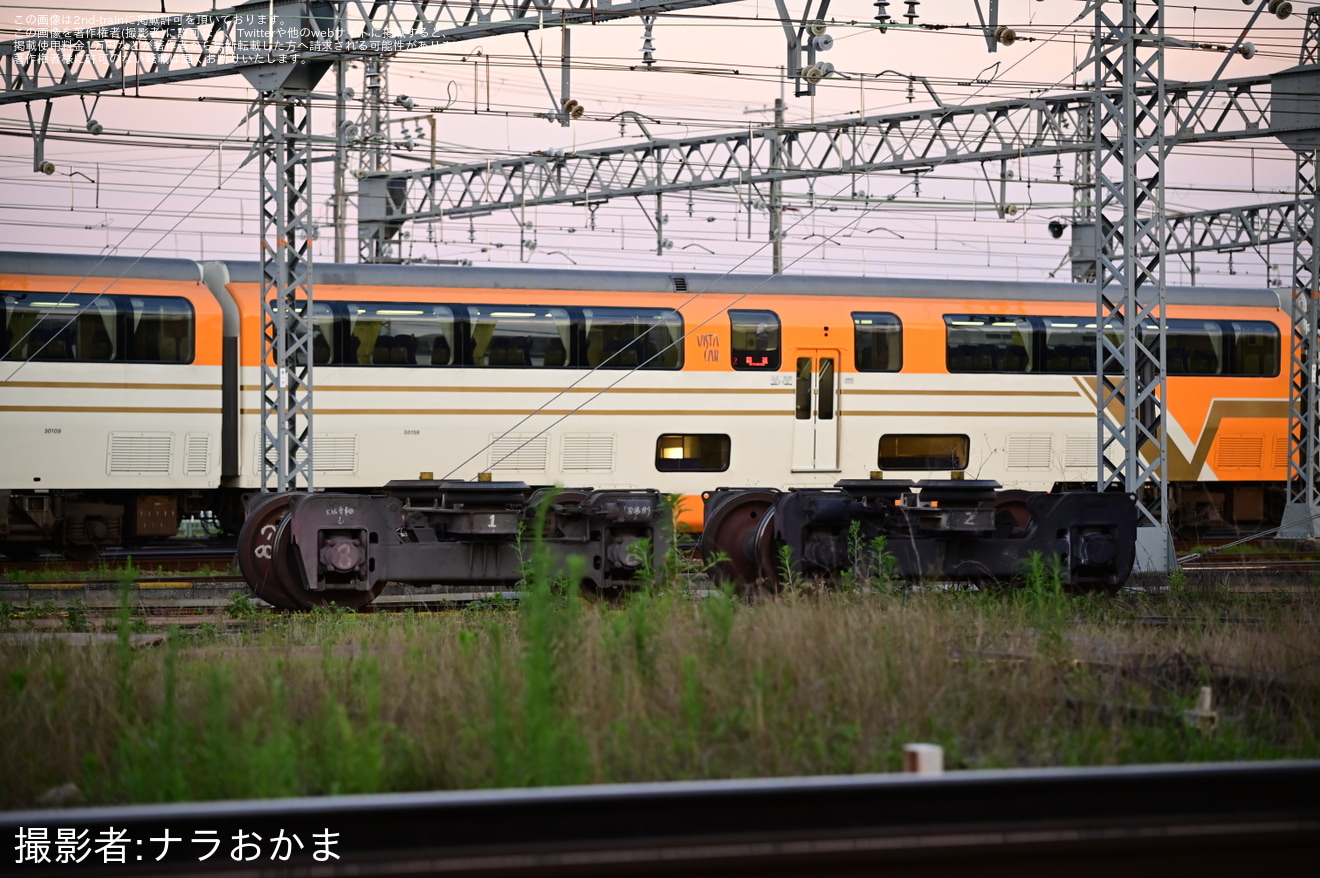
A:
164	177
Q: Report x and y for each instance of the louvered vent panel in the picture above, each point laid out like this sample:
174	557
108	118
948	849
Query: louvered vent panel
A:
197	454
334	454
1281	451
1239	452
589	452
1029	451
680	284
140	454
1079	450
520	452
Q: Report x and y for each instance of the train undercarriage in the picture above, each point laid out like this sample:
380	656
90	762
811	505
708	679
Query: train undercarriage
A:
933	530
79	524
298	551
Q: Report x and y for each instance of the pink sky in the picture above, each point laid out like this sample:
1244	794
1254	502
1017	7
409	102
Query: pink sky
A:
150	196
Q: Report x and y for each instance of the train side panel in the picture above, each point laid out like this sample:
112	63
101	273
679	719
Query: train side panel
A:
110	390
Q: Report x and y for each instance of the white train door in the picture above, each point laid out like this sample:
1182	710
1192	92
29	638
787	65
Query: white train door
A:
815	412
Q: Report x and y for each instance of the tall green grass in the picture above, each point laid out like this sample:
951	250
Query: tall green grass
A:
663	684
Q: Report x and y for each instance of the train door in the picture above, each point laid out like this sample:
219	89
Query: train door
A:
815	412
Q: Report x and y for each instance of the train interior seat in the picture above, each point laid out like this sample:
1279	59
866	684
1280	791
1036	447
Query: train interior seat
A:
404	351
1014	359
555	353
320	349
440	352
1175	360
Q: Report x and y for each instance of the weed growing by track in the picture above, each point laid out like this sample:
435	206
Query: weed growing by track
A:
665	684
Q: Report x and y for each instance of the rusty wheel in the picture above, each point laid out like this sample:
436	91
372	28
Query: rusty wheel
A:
289	573
731	531
1012	512
568	496
256	550
767	553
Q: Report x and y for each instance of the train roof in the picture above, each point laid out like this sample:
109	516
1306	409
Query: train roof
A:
484	277
92	265
460	277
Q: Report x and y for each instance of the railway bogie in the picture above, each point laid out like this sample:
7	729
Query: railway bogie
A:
934	530
299	551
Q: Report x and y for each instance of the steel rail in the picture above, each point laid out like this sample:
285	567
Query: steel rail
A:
1263	817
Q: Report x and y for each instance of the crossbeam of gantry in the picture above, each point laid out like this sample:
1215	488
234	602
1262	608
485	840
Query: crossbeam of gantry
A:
914	141
186	47
1231	228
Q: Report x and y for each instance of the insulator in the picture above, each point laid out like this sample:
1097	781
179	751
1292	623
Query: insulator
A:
1281	8
911	15
822	43
1005	36
648	45
882	13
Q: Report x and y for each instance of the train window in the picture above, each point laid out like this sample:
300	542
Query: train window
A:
1069	345
515	335
383	334
988	343
693	452
754	339
877	341
1255	349
59	326
923	451
1192	347
633	338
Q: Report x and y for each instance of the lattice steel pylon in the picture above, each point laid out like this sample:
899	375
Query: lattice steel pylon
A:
374	151
1130	150
284	147
1298	101
286	291
1081	252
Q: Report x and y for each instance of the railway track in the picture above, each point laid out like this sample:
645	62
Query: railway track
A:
200	579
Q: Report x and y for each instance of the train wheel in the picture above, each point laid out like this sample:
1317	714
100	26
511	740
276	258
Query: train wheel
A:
1012	514
285	563
731	536
561	498
767	554
256	550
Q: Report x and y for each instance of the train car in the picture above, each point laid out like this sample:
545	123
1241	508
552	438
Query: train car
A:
684	382
111	395
639	380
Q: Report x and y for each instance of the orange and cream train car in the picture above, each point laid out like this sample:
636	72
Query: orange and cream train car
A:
130	388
